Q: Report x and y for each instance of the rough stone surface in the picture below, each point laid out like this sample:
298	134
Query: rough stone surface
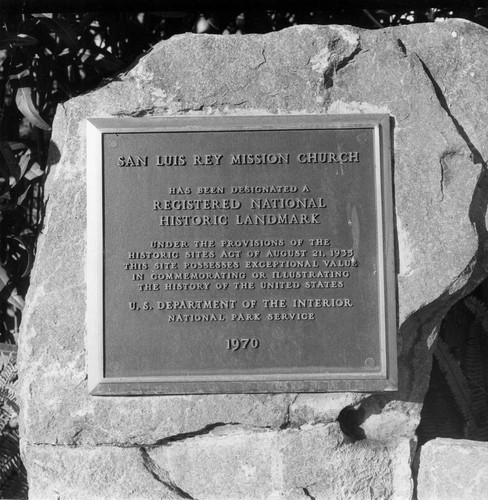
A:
453	469
383	420
433	80
66	473
243	463
315	408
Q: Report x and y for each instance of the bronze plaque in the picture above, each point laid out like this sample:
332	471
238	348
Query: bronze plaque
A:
240	254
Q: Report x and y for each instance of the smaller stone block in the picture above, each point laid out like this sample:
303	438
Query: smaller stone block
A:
394	419
231	463
98	473
317	460
367	469
453	469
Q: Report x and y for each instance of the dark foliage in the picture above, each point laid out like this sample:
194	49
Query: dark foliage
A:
456	404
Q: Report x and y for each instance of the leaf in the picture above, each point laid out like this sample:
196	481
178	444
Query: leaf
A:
8	371
62	29
22	72
7	39
479	310
16	300
108	62
3	55
17	157
458	383
7	350
481	12
473	368
34	172
22	197
440	416
8	164
26	242
25	160
10	460
12	296
23	99
5	198
17	146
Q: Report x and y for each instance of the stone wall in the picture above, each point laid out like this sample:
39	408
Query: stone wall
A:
453	469
432	79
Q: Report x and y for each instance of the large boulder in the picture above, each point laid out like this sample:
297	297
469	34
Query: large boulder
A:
432	79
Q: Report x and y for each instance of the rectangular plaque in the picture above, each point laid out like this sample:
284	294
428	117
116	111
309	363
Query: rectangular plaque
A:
240	254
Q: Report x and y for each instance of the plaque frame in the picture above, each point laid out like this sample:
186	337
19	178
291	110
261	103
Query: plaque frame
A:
385	380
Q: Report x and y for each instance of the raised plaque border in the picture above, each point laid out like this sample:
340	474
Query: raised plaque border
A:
385	380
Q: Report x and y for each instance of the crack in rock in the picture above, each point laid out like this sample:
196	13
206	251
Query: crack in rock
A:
338	53
188	435
162	475
332	70
264	61
443	165
402	47
445	176
286	419
140	113
477	157
307	493
479	203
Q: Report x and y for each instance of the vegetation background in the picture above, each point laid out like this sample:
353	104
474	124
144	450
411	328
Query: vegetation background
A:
47	58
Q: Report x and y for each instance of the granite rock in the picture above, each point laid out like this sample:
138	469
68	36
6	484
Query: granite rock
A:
92	473
453	469
318	459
